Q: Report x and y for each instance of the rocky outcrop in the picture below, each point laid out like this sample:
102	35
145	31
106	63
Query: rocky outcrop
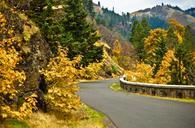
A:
36	59
34	50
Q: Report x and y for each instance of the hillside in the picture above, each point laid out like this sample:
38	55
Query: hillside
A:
156	16
113	21
113	27
165	12
191	11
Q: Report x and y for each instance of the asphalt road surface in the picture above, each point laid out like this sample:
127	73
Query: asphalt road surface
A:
128	110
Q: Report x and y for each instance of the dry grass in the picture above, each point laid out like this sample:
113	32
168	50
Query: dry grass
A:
44	120
84	118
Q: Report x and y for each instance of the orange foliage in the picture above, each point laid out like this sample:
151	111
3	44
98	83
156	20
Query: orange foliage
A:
163	75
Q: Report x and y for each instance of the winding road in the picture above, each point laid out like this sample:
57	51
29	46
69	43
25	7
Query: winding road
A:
128	110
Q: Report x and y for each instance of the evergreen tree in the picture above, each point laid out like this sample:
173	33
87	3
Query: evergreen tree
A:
140	30
145	25
68	28
180	37
88	4
90	8
99	4
185	57
80	33
42	14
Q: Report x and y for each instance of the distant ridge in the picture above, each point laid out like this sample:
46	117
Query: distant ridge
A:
165	12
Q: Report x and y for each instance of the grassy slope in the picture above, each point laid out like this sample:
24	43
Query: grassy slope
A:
13	123
85	118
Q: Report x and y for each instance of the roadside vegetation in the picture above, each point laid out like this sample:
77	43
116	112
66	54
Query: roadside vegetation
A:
48	46
85	117
164	56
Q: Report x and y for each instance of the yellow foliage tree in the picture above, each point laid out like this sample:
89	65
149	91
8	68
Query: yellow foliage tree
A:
163	75
169	56
182	69
11	79
110	65
61	75
91	72
168	68
117	48
156	46
141	73
152	42
178	30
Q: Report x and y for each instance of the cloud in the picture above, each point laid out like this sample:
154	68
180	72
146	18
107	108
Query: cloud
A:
134	5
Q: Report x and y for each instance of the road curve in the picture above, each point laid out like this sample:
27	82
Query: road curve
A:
133	111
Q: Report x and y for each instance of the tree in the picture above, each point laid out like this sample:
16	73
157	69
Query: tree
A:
175	33
169	54
179	36
145	25
68	27
156	46
89	7
163	74
81	34
43	15
11	82
99	4
117	49
140	30
14	104
188	58
141	73
61	75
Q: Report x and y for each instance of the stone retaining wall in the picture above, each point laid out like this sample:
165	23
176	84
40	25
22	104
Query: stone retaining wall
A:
174	91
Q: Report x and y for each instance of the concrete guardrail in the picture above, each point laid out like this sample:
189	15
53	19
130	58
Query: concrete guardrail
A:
174	91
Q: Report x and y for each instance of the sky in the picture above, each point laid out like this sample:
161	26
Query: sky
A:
135	5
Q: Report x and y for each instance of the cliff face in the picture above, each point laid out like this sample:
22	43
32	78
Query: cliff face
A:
36	59
36	54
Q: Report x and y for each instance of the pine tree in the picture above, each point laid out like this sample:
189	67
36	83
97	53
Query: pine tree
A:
145	25
99	4
185	57
42	14
140	30
91	9
69	28
180	37
88	4
81	34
